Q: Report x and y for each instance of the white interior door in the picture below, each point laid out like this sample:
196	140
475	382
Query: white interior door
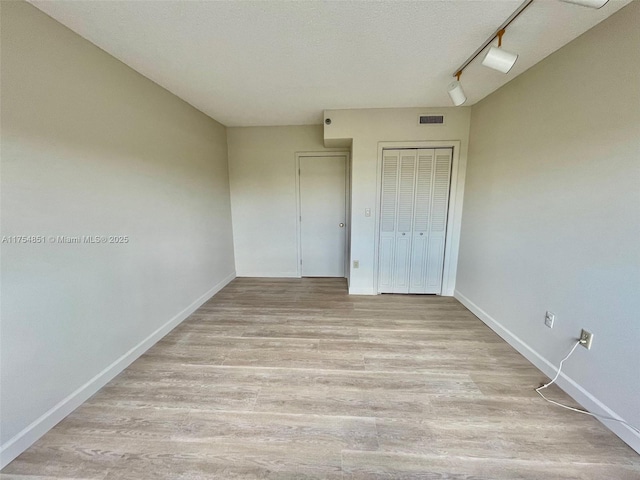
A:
323	215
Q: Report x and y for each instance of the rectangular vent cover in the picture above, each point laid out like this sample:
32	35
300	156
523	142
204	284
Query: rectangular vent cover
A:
431	120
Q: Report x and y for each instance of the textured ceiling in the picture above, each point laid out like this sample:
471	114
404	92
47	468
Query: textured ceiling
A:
283	62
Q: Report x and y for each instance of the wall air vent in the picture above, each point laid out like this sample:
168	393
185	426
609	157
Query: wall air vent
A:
431	119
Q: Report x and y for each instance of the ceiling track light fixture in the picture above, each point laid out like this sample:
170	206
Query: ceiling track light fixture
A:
498	58
456	92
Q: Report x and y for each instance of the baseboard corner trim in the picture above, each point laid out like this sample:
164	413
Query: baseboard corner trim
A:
566	383
30	434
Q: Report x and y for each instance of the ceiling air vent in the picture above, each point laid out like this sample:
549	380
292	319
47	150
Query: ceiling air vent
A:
431	120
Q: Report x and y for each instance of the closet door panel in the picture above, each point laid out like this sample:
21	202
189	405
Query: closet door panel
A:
389	205
404	223
422	212
385	265
419	246
438	221
402	264
435	262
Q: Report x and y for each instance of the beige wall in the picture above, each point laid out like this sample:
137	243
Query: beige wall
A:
552	215
364	130
90	147
262	170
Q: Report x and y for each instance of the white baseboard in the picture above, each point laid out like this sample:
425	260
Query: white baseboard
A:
23	440
268	275
571	387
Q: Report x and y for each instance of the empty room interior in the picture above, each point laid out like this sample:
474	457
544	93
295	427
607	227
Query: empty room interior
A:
320	239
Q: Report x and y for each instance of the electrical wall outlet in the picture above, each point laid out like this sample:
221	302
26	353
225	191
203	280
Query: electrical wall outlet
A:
549	318
356	264
586	339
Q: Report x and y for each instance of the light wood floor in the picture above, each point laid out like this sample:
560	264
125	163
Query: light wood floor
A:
294	379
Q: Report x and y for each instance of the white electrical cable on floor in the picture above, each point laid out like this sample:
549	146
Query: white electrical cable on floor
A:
576	409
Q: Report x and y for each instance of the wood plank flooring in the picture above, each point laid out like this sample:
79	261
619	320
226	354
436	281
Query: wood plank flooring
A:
295	379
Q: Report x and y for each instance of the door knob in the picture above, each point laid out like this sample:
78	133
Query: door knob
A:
341	225
403	233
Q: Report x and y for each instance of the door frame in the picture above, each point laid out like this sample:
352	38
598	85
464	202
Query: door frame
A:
347	180
454	215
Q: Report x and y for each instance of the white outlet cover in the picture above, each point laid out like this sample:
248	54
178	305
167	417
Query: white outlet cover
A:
586	339
549	319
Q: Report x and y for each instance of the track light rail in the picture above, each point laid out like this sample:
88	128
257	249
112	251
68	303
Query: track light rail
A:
497	33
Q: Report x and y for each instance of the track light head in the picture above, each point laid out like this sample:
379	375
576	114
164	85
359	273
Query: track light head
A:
588	3
456	93
499	59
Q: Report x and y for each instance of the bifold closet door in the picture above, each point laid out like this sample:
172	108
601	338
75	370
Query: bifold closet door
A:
398	192
389	204
414	203
420	238
433	178
404	221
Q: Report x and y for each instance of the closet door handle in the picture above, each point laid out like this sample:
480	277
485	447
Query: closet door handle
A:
403	233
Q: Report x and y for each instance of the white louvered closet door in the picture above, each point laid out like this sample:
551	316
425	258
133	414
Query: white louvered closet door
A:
390	162
438	220
404	221
420	240
415	200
